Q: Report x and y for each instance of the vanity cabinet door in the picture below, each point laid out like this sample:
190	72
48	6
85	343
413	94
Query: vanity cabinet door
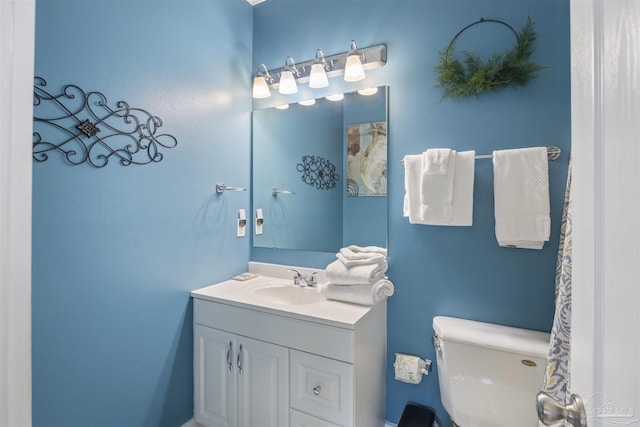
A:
263	384
215	381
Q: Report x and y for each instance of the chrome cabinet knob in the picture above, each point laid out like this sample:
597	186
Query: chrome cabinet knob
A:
551	412
316	390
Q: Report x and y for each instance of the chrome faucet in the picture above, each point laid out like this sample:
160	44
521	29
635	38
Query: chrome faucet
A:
301	280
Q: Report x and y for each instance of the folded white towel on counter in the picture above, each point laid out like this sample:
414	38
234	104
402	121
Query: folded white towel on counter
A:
436	186
337	272
359	256
369	294
355	249
373	259
521	187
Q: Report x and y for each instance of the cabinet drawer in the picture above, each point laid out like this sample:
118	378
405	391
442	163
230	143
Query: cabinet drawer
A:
321	387
300	419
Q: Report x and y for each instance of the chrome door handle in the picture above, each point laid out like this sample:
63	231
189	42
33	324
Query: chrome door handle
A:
230	356
239	361
551	411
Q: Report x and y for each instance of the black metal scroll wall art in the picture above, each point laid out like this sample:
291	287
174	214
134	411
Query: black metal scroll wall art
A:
83	128
318	172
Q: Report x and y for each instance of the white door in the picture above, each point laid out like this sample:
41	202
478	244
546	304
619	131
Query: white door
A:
263	384
17	23
605	55
214	377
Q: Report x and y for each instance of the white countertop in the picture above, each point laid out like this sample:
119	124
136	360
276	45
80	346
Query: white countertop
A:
240	294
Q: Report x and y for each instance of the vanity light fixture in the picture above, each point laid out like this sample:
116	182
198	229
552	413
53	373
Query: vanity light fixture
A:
318	76
307	102
288	83
336	97
353	69
352	65
368	91
261	83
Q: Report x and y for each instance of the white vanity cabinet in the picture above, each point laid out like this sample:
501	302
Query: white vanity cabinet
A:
320	365
240	381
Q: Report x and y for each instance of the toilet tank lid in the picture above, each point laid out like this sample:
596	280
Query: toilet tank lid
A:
499	337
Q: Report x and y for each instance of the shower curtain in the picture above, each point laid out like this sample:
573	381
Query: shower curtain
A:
557	375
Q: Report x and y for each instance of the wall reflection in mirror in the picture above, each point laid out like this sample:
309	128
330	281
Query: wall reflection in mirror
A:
320	175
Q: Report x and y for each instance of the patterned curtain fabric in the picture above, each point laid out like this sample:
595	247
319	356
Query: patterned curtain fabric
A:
557	379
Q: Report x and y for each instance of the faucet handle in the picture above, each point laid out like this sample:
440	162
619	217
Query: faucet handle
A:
296	276
312	279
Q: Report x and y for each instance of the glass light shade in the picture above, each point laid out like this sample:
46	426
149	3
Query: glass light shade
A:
307	102
287	83
260	88
282	107
318	77
368	91
336	97
353	70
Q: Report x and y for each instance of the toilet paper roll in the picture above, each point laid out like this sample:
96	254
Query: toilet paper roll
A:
409	369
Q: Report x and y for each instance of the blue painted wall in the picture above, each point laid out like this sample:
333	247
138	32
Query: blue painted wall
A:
455	271
117	250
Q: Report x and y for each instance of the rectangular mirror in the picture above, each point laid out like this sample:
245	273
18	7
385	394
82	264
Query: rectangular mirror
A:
320	173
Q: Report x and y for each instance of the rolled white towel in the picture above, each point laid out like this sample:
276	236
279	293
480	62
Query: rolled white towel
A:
337	272
358	294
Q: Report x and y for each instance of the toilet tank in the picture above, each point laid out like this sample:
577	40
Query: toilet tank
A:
489	374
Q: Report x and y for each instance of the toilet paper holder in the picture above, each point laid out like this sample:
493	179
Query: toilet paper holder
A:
409	368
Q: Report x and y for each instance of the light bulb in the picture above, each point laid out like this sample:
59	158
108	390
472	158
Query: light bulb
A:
318	77
307	102
368	91
260	87
336	97
353	70
287	83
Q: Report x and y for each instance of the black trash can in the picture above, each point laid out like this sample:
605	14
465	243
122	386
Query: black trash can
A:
415	415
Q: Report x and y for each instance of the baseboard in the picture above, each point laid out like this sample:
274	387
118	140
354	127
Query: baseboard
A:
191	423
388	424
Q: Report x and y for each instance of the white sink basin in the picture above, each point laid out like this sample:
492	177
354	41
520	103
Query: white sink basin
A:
288	295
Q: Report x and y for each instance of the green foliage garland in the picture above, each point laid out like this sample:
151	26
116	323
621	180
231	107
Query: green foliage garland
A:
475	76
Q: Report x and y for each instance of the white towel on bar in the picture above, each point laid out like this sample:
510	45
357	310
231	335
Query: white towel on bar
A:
337	272
462	205
412	181
521	187
436	186
359	294
436	161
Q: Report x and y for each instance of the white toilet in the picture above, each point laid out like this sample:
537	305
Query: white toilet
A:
489	374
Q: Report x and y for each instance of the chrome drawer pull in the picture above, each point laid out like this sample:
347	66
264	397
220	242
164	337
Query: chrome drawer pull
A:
316	390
